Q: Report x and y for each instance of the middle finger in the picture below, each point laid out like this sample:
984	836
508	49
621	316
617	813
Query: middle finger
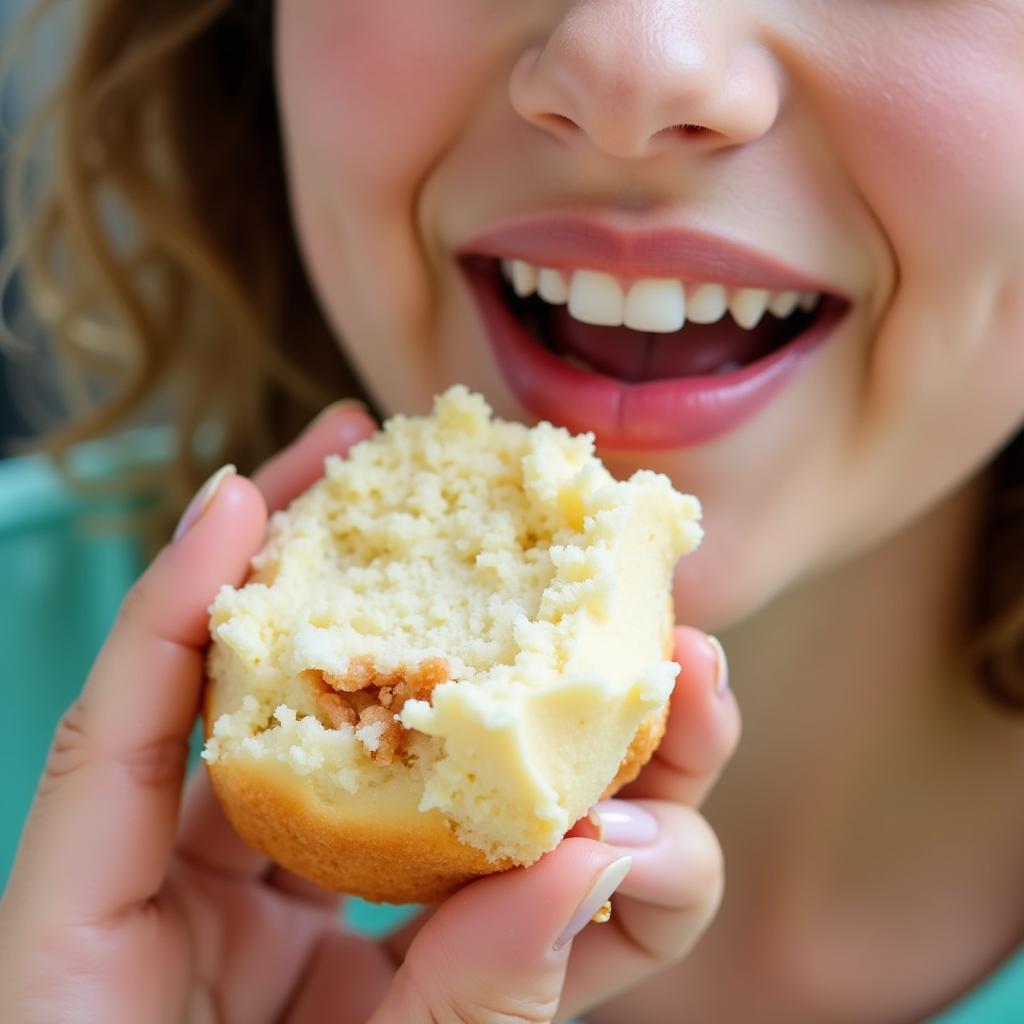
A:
703	727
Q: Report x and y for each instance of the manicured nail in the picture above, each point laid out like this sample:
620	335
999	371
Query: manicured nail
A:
721	667
623	823
600	892
202	500
343	403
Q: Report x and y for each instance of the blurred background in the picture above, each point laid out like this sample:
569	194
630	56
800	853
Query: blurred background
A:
68	553
12	424
66	556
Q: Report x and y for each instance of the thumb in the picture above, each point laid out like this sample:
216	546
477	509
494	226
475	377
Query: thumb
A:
497	950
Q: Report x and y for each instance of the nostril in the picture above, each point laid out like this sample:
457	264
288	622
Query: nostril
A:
684	131
690	129
559	125
558	122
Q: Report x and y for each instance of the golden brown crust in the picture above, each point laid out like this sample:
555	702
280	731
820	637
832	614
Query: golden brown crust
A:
415	859
375	845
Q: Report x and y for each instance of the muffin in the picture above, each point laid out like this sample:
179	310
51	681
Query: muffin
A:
449	648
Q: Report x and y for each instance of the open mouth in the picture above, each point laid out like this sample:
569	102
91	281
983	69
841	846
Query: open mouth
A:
728	334
644	362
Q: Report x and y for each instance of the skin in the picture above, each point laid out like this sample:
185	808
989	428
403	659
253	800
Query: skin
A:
162	913
836	128
877	146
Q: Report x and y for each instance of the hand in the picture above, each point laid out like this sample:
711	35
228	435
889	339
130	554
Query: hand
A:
125	908
675	883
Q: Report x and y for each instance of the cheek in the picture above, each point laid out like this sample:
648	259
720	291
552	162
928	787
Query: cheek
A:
372	96
373	90
931	124
926	114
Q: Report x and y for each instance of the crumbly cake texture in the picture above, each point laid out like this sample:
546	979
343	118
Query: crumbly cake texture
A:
449	648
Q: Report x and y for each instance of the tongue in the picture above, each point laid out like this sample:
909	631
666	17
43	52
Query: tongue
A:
696	350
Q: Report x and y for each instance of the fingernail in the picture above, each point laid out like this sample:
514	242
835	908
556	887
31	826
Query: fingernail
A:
600	892
343	403
202	501
623	823
721	667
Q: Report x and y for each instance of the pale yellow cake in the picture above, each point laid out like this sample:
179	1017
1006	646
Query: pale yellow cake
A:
450	647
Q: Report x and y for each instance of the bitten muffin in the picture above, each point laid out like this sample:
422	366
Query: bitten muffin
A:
450	647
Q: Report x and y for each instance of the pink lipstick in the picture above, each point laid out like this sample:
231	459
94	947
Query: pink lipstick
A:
634	389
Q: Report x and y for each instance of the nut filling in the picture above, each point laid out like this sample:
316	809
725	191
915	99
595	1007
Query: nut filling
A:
364	698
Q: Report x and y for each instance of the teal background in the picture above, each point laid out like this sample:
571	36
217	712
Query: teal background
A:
66	559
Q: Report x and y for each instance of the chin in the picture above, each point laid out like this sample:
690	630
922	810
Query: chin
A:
715	591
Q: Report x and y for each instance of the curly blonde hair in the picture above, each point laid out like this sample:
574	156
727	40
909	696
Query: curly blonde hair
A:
160	252
163	258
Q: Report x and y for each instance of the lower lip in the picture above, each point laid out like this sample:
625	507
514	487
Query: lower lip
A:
654	415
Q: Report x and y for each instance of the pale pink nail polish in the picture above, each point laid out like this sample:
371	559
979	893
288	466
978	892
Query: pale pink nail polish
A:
722	667
623	823
202	501
604	885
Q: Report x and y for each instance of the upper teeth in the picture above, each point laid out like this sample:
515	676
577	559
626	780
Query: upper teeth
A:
650	303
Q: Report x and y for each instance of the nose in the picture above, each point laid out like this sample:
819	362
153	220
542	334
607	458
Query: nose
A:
634	78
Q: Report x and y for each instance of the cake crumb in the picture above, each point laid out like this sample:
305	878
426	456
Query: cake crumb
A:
363	674
333	711
367	697
392	736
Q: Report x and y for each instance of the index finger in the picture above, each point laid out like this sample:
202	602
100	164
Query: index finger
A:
301	464
102	822
204	834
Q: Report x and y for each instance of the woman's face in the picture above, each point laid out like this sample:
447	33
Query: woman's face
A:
689	154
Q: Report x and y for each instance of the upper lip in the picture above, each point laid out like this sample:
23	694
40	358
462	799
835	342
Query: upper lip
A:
571	241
